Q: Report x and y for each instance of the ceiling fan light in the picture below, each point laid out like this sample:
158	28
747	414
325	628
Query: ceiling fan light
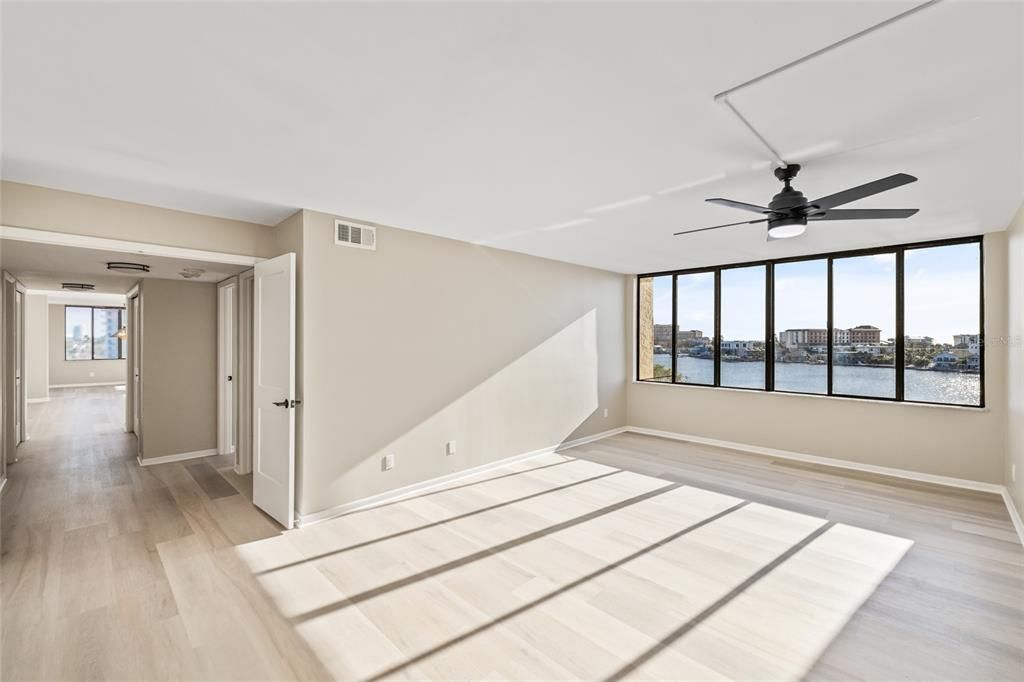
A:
787	231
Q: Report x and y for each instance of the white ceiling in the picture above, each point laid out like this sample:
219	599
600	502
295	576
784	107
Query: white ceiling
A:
487	122
46	266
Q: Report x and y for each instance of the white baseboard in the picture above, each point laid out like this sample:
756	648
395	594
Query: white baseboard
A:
97	383
181	456
37	400
826	461
303	520
1018	523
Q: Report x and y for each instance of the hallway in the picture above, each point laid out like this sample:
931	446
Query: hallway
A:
97	551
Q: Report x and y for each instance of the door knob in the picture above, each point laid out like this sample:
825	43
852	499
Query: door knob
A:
283	403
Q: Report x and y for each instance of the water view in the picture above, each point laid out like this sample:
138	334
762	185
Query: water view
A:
872	382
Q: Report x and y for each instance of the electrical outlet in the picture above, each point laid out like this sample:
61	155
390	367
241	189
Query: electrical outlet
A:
606	413
387	463
450	448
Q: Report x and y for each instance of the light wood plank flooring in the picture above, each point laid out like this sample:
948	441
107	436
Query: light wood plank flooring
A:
630	558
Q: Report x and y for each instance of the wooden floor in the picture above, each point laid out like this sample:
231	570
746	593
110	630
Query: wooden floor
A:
633	557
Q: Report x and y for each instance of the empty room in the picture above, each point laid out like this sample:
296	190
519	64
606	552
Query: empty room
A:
600	341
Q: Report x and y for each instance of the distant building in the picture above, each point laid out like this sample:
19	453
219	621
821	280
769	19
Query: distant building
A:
918	341
865	333
841	337
803	337
966	340
947	361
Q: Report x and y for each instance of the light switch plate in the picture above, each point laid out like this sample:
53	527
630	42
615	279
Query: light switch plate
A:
387	463
450	448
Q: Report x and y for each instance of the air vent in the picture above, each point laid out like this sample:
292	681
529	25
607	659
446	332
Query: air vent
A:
77	286
354	234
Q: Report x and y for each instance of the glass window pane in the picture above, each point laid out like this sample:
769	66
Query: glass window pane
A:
77	333
655	326
801	326
742	347
695	318
864	314
123	321
942	322
106	322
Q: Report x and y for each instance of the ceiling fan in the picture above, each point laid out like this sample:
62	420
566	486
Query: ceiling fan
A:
789	211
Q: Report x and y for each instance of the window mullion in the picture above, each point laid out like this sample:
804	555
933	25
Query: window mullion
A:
830	334
718	327
899	360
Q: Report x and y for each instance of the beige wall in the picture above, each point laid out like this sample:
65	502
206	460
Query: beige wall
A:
959	442
1015	361
42	208
179	367
75	372
428	340
37	347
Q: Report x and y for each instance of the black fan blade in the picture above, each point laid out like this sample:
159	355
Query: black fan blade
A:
703	229
865	214
862	191
740	205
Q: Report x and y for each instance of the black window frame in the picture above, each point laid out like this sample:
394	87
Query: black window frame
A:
899	250
121	347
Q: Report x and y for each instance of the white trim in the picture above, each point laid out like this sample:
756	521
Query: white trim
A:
3	483
964	483
1018	523
98	383
818	396
181	456
38	400
22	234
303	520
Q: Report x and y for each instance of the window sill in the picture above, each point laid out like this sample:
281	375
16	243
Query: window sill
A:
814	396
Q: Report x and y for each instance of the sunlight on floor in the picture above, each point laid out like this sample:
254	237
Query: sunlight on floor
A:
560	568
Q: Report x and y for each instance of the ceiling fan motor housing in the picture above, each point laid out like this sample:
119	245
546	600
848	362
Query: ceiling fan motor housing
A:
787	206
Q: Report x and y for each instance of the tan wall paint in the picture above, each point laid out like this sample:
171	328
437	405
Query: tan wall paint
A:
42	208
428	340
959	442
72	372
37	347
179	367
1015	360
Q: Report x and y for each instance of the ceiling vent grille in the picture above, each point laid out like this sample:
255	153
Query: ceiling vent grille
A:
354	234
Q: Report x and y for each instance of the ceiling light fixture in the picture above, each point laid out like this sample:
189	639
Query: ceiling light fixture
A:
127	267
568	223
620	204
77	286
786	228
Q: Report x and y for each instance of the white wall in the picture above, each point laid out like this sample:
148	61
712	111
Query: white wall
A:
960	442
1014	343
37	363
428	340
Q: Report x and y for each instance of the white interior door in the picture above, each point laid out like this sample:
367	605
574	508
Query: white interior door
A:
273	429
226	417
19	367
134	339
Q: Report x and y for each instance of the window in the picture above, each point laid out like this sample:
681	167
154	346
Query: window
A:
655	326
901	323
743	342
942	313
90	333
801	326
864	326
695	328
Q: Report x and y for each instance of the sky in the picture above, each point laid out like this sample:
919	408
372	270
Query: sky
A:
941	286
